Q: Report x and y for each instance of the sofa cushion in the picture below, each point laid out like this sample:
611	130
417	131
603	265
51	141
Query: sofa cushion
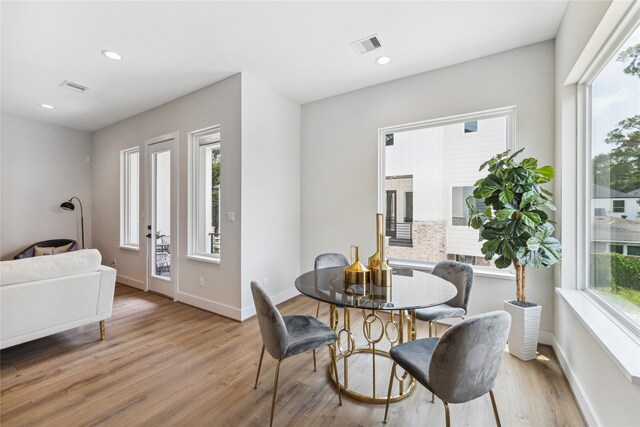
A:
49	267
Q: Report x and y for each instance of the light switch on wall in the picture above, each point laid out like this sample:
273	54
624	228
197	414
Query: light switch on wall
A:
231	216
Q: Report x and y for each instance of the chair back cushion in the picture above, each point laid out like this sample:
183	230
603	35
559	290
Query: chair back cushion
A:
466	361
272	326
329	260
461	275
55	243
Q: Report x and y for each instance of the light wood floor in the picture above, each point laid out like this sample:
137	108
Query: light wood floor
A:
165	363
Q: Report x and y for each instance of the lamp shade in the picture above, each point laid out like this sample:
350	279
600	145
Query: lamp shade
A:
68	206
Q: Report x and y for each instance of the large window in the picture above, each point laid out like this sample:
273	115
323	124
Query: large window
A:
205	234
614	154
428	174
130	198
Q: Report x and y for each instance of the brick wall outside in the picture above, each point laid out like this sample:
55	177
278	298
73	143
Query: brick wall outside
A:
429	243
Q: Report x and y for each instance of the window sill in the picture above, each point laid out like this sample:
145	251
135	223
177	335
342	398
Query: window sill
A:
493	273
615	339
204	259
130	248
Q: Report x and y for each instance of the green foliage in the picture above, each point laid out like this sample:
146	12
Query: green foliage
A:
516	228
631	54
615	270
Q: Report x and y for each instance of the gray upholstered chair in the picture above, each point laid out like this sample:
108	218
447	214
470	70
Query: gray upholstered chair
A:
460	366
461	275
285	336
329	260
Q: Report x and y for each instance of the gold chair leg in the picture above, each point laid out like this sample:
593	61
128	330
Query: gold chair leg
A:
430	334
314	360
318	310
103	332
335	370
386	409
433	397
259	366
446	414
275	392
495	408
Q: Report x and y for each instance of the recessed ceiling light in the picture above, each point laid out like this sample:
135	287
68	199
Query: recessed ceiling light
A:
47	106
383	60
112	55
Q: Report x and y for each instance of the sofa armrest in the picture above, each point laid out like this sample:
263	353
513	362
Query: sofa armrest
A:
107	289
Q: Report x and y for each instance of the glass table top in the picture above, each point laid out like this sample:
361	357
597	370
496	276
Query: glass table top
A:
410	289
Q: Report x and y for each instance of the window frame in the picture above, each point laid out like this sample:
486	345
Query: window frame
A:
194	188
616	210
585	168
125	218
509	112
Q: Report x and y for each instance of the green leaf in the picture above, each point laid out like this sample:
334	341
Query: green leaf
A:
530	219
529	163
513	156
502	262
545	171
504	214
488	191
488	212
489	234
549	206
508	251
506	196
528	197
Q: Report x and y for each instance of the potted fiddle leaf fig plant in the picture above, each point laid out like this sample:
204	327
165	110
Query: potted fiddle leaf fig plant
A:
516	230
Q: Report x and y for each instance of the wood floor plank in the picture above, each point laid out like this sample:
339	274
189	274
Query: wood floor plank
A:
166	363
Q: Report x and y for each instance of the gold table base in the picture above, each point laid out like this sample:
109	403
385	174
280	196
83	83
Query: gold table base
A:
403	321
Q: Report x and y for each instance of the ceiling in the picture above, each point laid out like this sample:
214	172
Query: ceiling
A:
300	48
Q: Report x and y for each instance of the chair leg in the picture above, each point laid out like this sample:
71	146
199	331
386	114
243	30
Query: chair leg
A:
433	397
386	409
335	370
259	366
318	310
446	414
314	361
495	408
435	328
275	392
430	334
103	332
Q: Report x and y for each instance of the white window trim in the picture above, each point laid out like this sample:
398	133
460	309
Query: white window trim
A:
617	340
193	189
599	61
509	112
124	197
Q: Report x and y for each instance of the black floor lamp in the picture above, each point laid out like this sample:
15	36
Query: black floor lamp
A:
69	206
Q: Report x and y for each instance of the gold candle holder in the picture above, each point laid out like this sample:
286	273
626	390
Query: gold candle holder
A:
382	275
374	260
356	273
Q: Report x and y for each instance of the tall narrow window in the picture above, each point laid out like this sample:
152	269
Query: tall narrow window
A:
205	236
614	157
130	198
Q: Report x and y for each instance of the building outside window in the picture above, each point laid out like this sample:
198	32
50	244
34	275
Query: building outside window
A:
614	156
426	168
130	198
205	162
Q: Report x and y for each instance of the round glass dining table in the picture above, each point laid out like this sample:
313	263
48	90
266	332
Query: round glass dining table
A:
388	319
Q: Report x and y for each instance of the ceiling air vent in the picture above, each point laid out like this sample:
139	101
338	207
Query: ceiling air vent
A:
74	86
366	45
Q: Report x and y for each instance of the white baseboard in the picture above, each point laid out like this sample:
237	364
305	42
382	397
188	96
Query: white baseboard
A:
583	402
134	283
212	306
250	310
546	338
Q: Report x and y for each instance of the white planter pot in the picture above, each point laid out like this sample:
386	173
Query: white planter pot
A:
525	325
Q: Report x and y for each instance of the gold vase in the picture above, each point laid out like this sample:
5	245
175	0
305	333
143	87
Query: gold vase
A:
381	276
356	273
374	260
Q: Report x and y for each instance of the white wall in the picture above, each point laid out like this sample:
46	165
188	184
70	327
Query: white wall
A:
270	192
605	395
339	169
41	167
218	104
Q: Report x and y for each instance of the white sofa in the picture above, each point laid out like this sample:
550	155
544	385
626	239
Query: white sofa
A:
45	295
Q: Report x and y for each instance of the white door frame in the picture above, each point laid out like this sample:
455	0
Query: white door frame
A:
172	290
